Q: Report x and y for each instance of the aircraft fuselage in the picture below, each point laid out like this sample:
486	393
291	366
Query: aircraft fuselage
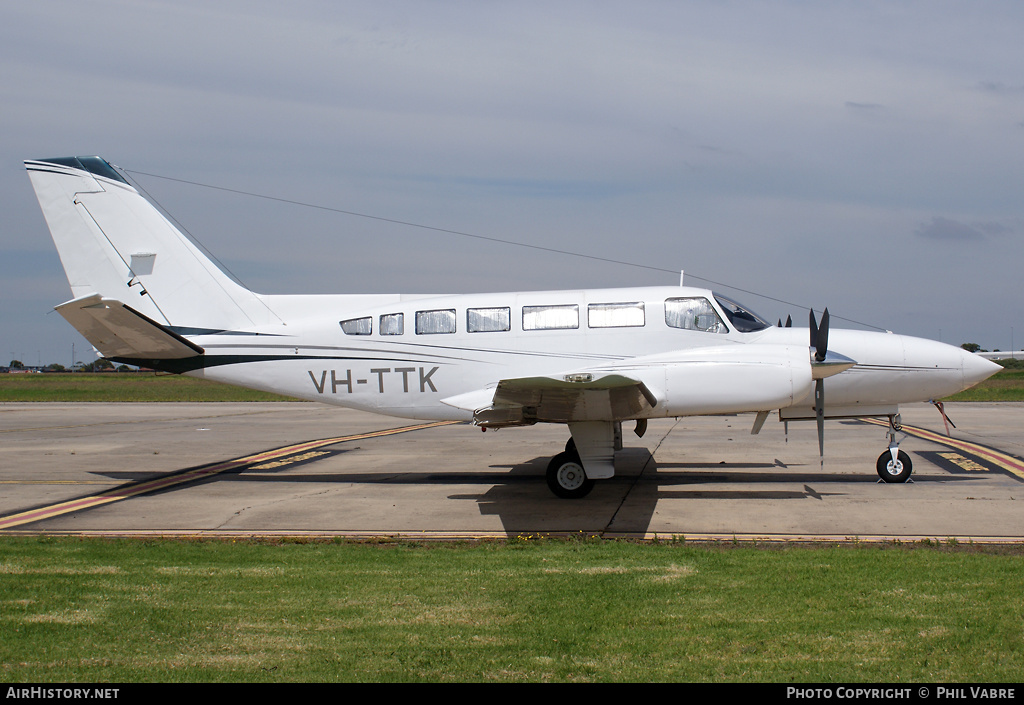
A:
409	373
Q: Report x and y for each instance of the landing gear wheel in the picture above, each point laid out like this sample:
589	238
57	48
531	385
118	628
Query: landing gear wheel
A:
894	472
567	478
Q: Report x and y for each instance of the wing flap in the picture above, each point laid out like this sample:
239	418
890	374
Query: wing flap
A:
119	331
583	396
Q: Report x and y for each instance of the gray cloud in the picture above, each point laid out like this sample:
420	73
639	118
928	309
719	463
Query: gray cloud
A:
992	228
1001	88
952	230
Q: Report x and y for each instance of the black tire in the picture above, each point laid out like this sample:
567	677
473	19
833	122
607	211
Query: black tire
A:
567	478
894	472
570	446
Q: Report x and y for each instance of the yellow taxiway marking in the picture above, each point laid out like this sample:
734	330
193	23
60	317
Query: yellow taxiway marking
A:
963	463
53	482
1007	462
134	489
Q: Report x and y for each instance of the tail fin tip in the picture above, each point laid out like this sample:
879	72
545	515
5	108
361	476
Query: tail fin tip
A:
97	166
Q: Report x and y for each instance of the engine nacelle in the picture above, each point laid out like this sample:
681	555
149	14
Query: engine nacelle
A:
727	379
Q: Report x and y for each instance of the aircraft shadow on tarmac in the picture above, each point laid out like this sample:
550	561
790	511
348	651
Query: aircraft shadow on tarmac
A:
519	496
627	502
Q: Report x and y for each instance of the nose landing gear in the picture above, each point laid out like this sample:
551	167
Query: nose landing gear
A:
894	465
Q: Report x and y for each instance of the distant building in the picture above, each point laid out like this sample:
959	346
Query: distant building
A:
1003	355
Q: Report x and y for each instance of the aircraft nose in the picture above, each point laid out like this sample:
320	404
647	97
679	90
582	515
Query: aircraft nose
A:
976	368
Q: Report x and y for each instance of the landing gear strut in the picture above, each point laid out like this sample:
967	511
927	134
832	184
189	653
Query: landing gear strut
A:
567	478
894	465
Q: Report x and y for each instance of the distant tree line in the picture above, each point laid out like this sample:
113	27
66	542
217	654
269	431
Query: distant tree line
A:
99	365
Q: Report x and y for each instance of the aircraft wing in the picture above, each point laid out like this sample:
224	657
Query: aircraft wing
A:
709	380
119	331
557	399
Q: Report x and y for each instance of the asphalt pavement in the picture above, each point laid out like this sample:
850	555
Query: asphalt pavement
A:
308	469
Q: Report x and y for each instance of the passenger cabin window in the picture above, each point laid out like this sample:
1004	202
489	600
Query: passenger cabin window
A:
431	322
357	326
615	315
486	320
551	317
392	324
695	313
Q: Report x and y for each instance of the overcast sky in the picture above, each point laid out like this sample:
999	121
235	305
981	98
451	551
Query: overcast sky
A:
868	157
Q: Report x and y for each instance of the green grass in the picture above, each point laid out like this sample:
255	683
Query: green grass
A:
78	610
120	387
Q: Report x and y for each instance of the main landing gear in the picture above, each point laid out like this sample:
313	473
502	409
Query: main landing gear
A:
566	476
589	456
894	465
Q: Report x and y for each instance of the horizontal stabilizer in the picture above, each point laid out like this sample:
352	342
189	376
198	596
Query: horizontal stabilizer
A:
119	331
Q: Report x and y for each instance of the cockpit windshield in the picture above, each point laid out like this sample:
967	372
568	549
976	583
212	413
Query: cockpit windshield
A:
742	318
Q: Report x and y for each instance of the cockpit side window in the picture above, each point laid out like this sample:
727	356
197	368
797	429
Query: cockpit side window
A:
742	318
693	313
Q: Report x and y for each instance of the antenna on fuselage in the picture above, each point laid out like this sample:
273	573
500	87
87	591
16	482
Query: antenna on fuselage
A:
681	273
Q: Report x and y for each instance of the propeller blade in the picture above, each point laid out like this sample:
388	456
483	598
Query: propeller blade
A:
819	342
819	336
819	409
822	346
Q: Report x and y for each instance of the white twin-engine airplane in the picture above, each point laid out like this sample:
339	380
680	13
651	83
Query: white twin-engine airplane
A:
145	295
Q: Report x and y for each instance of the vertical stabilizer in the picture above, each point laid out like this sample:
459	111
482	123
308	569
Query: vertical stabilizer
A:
114	243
